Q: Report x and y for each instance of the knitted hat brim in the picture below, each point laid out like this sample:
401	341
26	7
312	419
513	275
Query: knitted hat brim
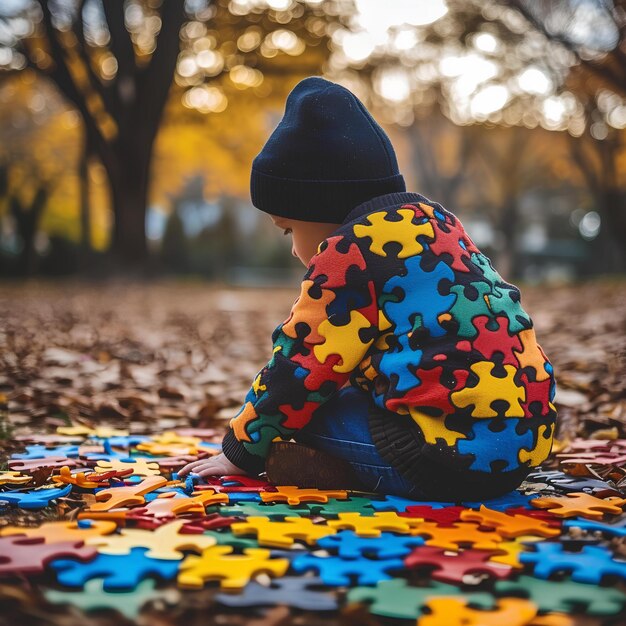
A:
316	200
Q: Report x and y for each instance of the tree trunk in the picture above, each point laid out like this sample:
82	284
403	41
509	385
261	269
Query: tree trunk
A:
85	204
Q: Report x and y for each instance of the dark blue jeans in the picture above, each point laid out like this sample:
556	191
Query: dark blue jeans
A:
340	427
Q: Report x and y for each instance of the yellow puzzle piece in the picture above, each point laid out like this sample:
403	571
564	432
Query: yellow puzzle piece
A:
234	571
164	543
372	526
404	232
344	341
282	534
490	388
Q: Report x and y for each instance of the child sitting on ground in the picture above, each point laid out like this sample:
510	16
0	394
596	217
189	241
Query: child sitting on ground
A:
406	358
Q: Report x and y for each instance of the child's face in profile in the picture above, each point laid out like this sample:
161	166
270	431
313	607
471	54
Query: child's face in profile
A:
306	236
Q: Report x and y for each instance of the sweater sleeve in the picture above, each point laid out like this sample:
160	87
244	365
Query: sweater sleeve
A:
330	327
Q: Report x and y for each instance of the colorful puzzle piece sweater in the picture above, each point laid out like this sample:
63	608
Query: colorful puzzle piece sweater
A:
400	302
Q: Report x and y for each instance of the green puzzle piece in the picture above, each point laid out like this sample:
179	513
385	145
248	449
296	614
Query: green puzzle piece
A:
249	509
565	596
227	538
334	507
93	597
396	598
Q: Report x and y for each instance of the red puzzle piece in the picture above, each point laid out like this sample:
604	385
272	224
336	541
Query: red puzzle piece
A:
29	555
452	567
444	516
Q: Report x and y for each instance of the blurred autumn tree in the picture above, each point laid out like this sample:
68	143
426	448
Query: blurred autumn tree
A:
485	66
116	61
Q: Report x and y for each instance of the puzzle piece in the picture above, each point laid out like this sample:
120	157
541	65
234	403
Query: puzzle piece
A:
422	297
79	479
36	499
381	231
510	611
298	592
351	505
488	446
128	603
166	542
140	467
336	571
42	452
29	465
393	503
282	534
397	599
371	526
350	546
580	504
490	388
452	537
116	497
333	264
232	570
120	572
606	529
29	555
256	509
454	567
343	340
589	565
509	551
14	478
509	525
513	498
565	596
465	309
56	532
443	517
295	495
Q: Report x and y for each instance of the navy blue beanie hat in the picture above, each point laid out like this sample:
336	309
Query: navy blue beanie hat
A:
326	156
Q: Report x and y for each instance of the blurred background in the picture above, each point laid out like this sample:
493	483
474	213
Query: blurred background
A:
128	129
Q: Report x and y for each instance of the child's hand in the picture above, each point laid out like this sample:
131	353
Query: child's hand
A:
217	465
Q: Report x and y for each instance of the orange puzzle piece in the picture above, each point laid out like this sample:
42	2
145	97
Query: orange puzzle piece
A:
580	504
294	495
117	497
54	532
509	525
452	537
509	611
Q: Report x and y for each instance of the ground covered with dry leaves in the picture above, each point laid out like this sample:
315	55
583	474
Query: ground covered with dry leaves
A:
150	358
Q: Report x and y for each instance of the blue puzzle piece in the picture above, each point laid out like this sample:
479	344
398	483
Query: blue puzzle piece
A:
295	591
511	499
388	546
41	452
243	496
35	499
403	364
395	503
124	442
334	570
121	572
422	296
488	446
607	529
589	565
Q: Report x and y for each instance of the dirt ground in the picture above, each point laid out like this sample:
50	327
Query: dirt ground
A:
165	354
156	356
